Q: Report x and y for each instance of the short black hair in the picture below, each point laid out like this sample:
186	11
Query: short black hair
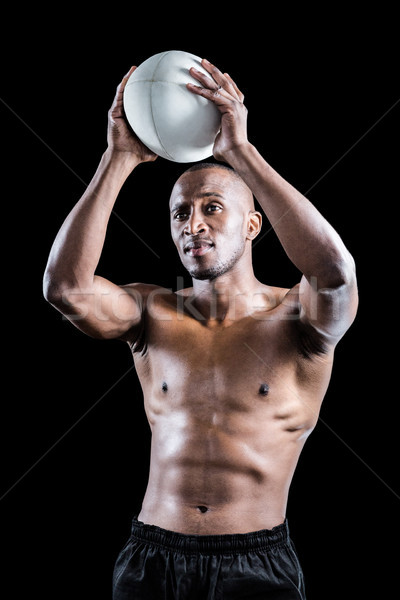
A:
212	165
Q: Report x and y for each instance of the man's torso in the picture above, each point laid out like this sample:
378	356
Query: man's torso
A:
230	405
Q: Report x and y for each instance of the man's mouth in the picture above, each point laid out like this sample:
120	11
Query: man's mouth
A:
198	247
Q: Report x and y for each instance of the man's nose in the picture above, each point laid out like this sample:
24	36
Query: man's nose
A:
195	224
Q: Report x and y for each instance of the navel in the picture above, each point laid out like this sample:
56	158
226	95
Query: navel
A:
264	389
164	387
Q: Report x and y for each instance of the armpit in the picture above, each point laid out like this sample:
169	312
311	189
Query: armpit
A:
139	344
310	342
136	338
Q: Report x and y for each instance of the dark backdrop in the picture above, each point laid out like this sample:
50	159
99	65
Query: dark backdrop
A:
321	90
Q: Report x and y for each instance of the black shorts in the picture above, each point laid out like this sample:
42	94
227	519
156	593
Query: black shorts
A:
156	564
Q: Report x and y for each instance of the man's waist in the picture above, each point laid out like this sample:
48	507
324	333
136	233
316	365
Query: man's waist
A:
202	517
212	542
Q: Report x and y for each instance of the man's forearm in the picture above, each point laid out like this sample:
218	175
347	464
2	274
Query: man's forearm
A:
77	248
309	240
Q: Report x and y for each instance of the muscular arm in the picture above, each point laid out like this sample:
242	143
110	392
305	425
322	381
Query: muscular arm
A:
328	293
328	290
95	305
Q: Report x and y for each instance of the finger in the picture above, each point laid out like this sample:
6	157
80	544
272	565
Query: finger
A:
222	79
129	73
240	95
204	79
218	95
118	99
212	69
124	81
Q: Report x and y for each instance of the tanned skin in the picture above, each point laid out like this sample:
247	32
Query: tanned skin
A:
233	370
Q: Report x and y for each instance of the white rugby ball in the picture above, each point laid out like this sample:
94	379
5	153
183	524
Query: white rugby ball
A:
169	119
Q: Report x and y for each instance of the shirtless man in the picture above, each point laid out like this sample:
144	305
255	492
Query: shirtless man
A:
233	371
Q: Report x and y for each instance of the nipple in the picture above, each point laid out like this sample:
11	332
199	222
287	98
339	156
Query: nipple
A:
264	389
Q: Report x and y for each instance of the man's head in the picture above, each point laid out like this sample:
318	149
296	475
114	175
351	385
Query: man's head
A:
213	220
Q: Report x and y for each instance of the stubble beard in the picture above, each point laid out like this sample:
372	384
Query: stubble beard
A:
220	267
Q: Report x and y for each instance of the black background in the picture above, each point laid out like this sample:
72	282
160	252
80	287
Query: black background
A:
321	90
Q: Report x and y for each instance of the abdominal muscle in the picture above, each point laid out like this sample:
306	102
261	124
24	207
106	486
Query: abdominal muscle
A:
224	475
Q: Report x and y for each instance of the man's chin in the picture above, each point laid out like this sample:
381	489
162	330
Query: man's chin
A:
206	276
207	273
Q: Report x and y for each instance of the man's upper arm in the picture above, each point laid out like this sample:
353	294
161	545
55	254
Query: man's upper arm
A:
105	310
326	313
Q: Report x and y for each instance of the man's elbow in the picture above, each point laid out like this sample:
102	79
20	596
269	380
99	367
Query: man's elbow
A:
340	296
54	290
50	289
346	272
340	273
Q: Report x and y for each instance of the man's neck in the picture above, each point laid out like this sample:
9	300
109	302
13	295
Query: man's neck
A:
225	298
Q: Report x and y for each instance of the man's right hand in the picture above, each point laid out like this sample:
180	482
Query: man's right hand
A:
120	136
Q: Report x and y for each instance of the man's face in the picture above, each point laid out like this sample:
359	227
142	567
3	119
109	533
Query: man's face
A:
208	222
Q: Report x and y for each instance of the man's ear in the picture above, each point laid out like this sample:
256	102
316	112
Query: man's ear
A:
254	223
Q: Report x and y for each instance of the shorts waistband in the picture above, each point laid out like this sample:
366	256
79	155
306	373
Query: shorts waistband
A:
211	544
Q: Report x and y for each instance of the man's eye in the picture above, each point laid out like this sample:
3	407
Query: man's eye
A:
180	216
213	208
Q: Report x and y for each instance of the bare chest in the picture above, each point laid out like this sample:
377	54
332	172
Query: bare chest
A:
235	364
